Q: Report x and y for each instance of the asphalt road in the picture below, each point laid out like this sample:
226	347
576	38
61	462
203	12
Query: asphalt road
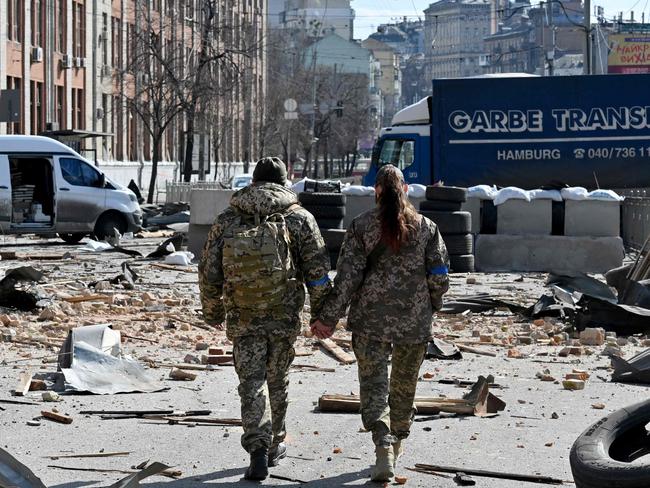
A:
525	438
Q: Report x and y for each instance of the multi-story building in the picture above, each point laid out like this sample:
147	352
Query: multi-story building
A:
319	18
64	57
454	33
390	77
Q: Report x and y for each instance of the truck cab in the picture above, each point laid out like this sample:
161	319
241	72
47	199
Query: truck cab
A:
405	144
46	188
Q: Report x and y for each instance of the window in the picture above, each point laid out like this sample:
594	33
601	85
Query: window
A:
398	153
79	30
37	22
60	106
15	20
60	45
78	173
78	109
36	106
14	84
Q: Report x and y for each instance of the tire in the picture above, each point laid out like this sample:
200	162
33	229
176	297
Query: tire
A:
327	224
106	223
334	257
326	211
71	238
462	264
602	455
447	193
334	238
440	205
450	223
459	245
332	199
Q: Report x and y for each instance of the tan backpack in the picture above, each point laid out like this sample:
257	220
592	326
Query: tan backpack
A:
258	266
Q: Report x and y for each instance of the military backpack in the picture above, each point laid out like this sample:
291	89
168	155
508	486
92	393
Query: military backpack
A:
258	266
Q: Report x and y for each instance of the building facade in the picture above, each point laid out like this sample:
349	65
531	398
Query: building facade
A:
319	18
390	77
454	33
64	58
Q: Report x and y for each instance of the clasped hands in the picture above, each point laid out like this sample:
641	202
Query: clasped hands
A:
322	331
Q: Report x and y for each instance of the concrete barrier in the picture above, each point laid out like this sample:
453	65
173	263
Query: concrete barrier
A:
474	206
561	254
592	218
519	217
205	205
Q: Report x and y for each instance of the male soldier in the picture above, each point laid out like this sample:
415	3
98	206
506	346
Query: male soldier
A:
260	253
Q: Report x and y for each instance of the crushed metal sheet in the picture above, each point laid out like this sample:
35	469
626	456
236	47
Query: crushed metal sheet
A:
15	474
633	370
439	349
586	285
133	480
479	303
25	300
170	245
622	319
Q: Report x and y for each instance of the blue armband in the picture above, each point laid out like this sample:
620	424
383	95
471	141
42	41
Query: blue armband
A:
439	270
323	281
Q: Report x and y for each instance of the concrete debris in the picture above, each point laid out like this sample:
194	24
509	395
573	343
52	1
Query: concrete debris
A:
593	336
571	384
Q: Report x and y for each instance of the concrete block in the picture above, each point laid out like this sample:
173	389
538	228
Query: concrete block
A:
205	205
519	217
560	254
474	206
592	218
196	237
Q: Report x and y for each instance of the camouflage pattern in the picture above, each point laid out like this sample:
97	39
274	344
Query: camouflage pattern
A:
395	298
310	257
262	363
387	404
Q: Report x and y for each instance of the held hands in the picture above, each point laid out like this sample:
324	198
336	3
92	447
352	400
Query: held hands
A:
322	331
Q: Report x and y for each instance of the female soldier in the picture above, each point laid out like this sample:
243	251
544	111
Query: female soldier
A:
392	271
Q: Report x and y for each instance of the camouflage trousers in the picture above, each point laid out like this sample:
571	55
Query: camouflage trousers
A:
262	363
387	403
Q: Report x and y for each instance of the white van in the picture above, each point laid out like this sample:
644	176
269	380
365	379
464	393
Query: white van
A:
46	187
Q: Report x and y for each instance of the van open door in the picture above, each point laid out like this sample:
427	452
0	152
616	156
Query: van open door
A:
5	194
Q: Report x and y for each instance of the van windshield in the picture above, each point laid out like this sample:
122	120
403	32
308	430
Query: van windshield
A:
398	152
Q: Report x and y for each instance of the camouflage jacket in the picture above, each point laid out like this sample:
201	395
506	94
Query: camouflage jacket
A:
392	299
310	257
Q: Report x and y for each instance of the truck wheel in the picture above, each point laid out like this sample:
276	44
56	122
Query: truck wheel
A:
451	222
440	205
462	264
447	193
72	238
106	223
608	453
460	244
326	211
331	199
334	238
326	224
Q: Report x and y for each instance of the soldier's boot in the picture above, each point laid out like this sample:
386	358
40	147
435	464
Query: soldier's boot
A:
398	450
384	465
258	469
276	453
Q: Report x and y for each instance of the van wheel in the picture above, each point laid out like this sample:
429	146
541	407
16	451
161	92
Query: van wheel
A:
72	238
106	223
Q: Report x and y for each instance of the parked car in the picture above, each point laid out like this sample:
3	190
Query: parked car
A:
240	181
46	187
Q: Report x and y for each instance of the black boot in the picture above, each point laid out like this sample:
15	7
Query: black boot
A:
276	453
258	469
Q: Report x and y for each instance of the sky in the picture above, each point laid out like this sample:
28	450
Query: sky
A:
371	13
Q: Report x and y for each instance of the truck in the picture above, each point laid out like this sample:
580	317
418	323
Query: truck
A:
523	131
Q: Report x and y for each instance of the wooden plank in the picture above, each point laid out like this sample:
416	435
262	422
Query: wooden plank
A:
492	474
56	417
474	350
88	298
182	269
342	356
24	382
425	405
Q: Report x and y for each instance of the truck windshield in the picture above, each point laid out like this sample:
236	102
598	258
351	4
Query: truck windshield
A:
398	152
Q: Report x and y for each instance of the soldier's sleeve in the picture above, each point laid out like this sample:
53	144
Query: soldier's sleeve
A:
211	276
437	267
349	277
314	263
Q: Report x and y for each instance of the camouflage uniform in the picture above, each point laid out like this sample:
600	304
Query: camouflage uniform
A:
392	302
263	344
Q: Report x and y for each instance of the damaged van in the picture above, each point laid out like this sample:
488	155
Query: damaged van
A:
46	188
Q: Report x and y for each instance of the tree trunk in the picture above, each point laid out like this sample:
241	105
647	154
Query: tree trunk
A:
189	146
154	168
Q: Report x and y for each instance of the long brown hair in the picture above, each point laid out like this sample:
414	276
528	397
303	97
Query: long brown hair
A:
396	214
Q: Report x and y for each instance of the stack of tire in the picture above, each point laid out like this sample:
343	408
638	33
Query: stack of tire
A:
329	211
443	206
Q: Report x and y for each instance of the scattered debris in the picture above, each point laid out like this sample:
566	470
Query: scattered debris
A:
50	396
439	349
24	382
491	474
633	370
21	299
573	385
15	474
56	417
342	356
179	374
84	456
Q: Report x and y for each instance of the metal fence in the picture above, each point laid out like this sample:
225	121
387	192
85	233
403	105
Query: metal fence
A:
178	191
636	217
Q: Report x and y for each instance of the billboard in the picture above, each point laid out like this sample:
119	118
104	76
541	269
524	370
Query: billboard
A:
629	53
